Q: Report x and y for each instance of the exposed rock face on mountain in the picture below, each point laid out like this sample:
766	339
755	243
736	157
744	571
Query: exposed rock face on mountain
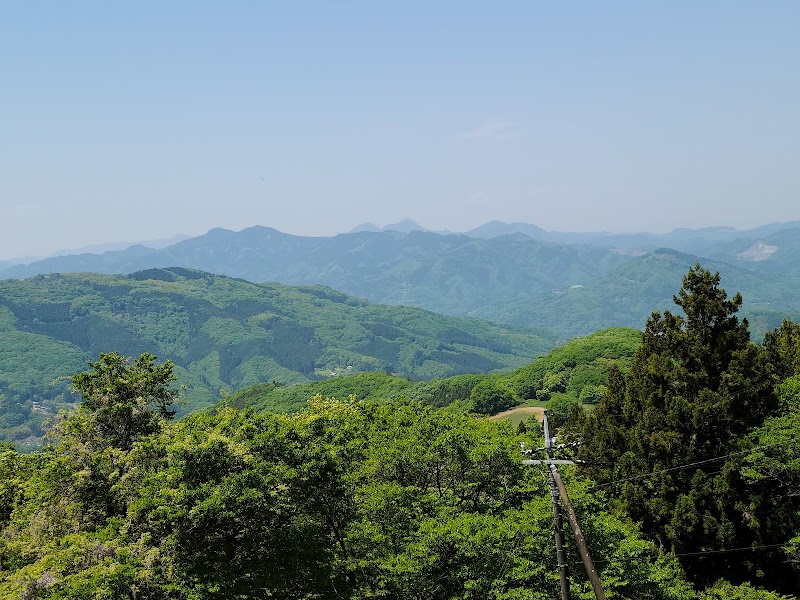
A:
758	252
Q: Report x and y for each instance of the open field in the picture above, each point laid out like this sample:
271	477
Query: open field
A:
520	413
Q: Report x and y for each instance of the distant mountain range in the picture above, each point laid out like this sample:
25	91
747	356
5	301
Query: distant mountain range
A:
570	283
453	274
695	241
94	249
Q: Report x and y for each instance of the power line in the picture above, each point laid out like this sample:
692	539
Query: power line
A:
688	465
723	551
759	386
695	554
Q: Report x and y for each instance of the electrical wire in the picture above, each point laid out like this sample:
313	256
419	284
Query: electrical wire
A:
730	395
700	553
688	465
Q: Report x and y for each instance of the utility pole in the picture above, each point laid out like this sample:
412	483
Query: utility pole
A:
588	564
558	525
557	489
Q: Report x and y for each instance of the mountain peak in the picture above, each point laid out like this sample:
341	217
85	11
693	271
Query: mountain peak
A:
404	226
366	226
494	229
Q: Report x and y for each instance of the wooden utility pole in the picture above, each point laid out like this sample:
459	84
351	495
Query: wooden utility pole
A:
588	564
561	555
557	489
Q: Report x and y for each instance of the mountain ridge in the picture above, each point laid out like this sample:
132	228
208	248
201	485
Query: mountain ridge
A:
508	278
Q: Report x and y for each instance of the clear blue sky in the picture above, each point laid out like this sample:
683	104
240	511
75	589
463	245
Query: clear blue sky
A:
126	121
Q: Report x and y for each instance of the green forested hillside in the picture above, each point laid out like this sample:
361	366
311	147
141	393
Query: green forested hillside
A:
223	334
577	371
343	500
572	284
269	397
626	295
350	499
687	492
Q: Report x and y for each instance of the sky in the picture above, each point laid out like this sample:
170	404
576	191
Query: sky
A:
132	121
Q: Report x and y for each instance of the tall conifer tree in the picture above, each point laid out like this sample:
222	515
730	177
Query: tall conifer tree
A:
696	386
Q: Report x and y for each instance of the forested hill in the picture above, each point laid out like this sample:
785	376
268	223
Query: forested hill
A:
626	295
687	487
222	334
574	373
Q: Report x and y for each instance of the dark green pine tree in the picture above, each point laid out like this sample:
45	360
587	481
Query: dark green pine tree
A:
696	387
783	347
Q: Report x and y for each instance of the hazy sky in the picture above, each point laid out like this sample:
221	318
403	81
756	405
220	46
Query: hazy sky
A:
125	121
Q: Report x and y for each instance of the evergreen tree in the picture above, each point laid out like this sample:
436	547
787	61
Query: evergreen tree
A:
125	400
696	387
783	347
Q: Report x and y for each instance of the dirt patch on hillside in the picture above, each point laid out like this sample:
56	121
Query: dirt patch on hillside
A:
520	413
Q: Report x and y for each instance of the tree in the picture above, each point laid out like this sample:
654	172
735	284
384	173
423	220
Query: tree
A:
490	398
559	409
783	347
126	400
8	485
591	394
697	386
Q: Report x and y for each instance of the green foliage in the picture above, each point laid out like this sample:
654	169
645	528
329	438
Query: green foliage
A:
724	590
344	499
592	394
9	460
577	364
697	390
783	347
490	398
559	409
578	368
443	392
770	475
126	400
393	498
273	397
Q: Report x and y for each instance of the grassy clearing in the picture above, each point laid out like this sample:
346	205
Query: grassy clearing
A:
520	413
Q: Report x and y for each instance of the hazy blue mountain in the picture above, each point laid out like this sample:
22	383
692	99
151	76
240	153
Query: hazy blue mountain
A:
115	261
627	295
404	226
694	241
366	226
19	260
778	252
494	229
92	249
454	274
509	277
114	246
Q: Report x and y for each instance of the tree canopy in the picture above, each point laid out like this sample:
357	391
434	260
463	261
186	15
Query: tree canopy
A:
689	491
668	439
